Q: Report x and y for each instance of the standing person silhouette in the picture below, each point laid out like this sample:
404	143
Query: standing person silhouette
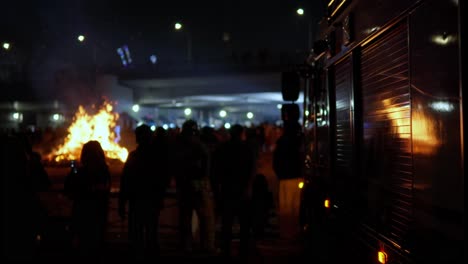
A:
235	171
89	188
143	185
194	188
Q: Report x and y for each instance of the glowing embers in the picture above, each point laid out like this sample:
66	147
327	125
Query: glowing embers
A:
86	127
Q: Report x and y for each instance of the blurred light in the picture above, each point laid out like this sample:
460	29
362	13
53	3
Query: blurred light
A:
187	111
38	238
279	106
56	117
226	37
81	38
326	203
442	106
172	125
301	185
140	123
122	56
306	113
153	59
250	115
382	257
178	26
6	45
165	126
127	53
331	2
324	123
136	108
443	39
227	126
153	128
222	113
16	116
300	11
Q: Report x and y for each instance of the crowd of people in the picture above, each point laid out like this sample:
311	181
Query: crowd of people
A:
216	174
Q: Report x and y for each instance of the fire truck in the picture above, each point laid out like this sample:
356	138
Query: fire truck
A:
383	124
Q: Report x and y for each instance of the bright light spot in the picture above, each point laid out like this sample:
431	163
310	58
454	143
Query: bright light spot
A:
172	125
16	116
165	126
178	26
56	117
227	126
250	115
301	185
140	123
153	128
279	106
306	113
382	257
443	39
136	108
300	11
81	38
442	106
222	113
326	203
324	123
153	59
187	111
6	45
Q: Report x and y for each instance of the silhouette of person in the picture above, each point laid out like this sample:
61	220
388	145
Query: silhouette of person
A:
89	188
143	184
194	188
21	207
288	157
235	169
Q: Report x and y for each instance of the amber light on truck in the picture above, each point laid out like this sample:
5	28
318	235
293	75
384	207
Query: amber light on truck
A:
382	257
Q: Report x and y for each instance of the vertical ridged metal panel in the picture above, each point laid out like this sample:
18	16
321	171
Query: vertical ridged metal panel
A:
387	129
344	132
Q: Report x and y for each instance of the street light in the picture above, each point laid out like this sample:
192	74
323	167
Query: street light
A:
178	27
300	12
81	38
6	45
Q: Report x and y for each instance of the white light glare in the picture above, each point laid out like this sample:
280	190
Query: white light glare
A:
177	26
153	128
442	106
222	113
136	108
300	11
227	126
250	115
166	127
279	106
81	38
16	116
6	45
56	117
187	111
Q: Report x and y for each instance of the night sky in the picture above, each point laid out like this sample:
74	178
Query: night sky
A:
147	26
44	34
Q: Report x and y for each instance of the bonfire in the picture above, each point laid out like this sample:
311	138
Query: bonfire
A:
86	127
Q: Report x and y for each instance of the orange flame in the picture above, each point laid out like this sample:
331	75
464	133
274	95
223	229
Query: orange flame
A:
87	127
